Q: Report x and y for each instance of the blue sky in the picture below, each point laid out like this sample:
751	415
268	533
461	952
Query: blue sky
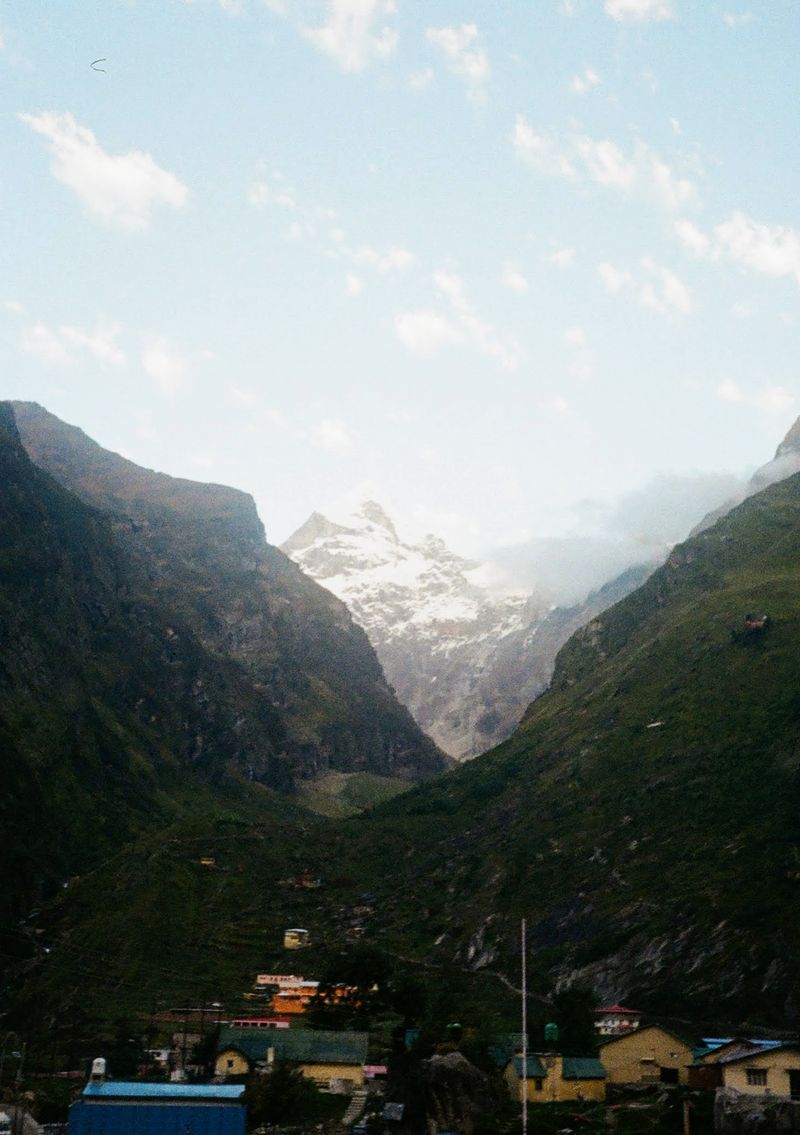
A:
508	267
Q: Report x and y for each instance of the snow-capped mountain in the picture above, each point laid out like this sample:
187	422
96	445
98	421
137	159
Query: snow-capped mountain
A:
436	628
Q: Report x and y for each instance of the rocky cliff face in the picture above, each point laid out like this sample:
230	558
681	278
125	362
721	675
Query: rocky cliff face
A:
435	628
199	552
466	662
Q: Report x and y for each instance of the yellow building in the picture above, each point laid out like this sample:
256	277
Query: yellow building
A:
771	1071
333	1060
647	1056
555	1078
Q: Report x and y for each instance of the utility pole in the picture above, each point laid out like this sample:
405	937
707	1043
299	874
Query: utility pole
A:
524	951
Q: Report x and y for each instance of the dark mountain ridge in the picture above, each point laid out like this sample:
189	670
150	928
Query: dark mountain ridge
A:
157	656
201	551
643	819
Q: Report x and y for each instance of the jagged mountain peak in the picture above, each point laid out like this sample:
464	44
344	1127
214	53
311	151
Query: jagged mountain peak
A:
434	626
375	514
791	443
317	527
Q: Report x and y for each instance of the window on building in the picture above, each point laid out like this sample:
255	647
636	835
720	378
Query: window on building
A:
539	1084
757	1076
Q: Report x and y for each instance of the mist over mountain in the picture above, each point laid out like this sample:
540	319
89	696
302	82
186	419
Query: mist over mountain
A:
643	818
469	645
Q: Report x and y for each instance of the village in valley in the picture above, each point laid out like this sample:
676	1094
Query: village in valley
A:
292	1061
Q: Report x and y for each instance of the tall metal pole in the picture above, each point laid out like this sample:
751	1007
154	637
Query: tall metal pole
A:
524	1031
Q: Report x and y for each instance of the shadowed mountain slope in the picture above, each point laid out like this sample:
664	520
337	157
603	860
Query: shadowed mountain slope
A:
643	819
200	551
158	658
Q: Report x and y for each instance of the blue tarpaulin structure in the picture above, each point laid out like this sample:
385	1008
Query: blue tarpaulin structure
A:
119	1108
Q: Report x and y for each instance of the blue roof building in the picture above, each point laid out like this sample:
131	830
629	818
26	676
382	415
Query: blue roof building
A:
115	1107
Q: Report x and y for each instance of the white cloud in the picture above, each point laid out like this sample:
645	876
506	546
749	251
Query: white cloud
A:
604	163
464	58
350	36
660	289
560	405
729	391
582	365
119	189
14	306
425	331
664	292
393	259
514	279
478	332
773	250
59	346
420	80
281	196
575	336
670	189
737	19
639	10
561	257
45	344
776	400
741	310
691	237
101	343
580	84
167	366
354	284
677	129
542	151
331	434
614	279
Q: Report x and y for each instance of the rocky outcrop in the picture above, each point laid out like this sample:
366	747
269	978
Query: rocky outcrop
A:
465	661
436	629
199	551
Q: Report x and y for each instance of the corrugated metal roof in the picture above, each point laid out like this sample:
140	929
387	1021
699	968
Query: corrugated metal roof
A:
302	1046
536	1069
122	1089
583	1068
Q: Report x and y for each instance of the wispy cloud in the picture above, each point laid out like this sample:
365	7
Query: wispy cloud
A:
167	366
421	80
580	84
599	160
514	279
425	331
463	56
65	343
476	330
656	287
737	19
691	237
119	189
331	434
561	257
353	35
639	10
